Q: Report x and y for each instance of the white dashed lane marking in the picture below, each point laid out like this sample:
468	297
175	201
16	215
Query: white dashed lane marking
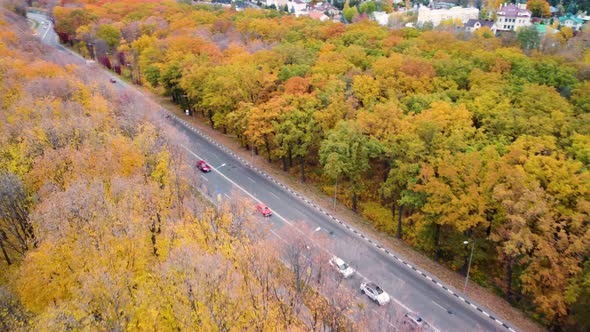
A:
440	306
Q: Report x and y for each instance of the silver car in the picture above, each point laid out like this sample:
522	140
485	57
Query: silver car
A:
344	269
375	293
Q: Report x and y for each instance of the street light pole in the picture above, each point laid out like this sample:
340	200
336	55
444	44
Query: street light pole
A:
469	265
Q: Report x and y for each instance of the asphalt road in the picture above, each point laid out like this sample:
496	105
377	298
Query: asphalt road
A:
411	289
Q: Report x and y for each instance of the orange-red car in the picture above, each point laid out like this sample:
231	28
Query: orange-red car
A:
264	210
202	165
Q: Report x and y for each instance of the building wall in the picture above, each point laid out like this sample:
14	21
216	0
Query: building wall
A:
571	24
506	23
435	16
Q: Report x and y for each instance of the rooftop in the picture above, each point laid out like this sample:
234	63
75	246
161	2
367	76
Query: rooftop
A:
471	23
512	10
576	19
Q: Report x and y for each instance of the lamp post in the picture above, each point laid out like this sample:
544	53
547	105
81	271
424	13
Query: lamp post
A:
469	265
184	103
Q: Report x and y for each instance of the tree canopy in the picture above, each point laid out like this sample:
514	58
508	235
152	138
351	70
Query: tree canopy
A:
465	136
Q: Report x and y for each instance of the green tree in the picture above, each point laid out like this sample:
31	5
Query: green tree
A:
529	38
110	34
581	98
350	14
295	130
367	7
346	152
152	75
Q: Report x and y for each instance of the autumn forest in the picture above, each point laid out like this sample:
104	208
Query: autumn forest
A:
434	137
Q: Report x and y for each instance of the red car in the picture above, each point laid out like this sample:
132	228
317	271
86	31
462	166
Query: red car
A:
202	165
264	210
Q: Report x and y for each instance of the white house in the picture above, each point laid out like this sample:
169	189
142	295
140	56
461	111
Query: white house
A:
298	7
325	7
474	25
512	17
435	16
571	21
382	18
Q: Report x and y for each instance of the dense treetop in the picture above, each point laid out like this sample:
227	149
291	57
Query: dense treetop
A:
467	136
102	228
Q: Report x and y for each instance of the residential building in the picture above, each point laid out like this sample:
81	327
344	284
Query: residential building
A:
279	4
318	15
512	17
382	18
435	16
298	7
571	21
473	25
326	8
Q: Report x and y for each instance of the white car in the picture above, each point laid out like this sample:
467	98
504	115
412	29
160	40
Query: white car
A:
375	293
342	268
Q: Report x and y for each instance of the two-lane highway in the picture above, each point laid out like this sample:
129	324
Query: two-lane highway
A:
413	288
442	307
